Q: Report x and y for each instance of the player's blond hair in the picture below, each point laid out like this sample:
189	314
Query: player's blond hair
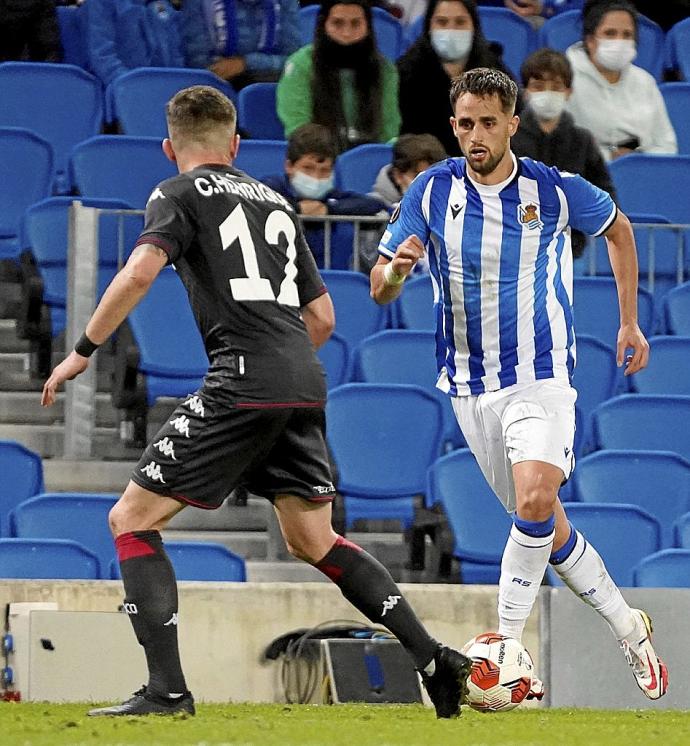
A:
200	115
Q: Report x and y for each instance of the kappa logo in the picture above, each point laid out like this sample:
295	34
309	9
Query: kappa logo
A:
156	194
196	405
172	620
456	210
390	603
528	215
153	472
166	447
181	424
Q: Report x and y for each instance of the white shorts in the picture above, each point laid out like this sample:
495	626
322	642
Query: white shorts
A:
525	422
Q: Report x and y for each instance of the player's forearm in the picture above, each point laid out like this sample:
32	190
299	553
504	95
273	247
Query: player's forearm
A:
623	257
381	291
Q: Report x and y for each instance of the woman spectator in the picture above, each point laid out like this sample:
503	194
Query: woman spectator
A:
341	80
618	102
452	42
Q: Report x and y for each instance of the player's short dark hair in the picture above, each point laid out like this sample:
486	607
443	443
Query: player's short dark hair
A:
485	81
311	139
594	11
547	63
193	112
410	150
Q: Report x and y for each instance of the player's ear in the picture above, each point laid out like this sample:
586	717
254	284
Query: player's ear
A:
234	147
513	124
168	150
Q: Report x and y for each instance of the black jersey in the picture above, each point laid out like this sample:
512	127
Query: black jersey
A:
241	254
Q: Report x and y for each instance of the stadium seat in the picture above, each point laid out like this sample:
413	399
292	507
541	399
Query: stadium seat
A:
622	534
478	520
61	103
656	481
356	315
677	99
261	158
645	423
22	478
415	307
383	439
677	54
677	310
58	559
668	370
137	99
356	169
681	531
669	568
79	517
72	35
405	356
516	35
26	173
257	114
335	358
120	167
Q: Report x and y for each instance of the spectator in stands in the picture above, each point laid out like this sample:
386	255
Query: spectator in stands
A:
452	42
536	11
242	41
548	133
308	184
124	34
341	80
29	31
617	101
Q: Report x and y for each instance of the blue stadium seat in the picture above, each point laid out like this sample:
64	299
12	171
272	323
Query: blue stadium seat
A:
72	35
356	169
25	559
677	99
383	439
356	315
22	477
261	158
257	114
595	302
669	568
335	358
656	481
137	98
415	307
645	423
668	370
622	534
515	34
677	53
405	356
61	103
120	167
412	32
479	522
26	173
77	517
677	310
681	531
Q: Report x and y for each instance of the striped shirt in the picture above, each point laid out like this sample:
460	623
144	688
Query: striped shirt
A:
501	268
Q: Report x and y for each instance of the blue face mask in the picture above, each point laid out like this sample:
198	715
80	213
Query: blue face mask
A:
309	187
452	44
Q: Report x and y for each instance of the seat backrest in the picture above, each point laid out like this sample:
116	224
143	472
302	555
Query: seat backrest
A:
257	113
595	373
656	481
356	169
72	35
335	358
47	559
644	422
415	306
22	477
120	167
669	568
383	438
515	34
668	370
623	534
260	158
677	100
682	531
677	54
479	523
677	310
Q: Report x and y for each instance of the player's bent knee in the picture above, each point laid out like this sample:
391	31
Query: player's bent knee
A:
536	503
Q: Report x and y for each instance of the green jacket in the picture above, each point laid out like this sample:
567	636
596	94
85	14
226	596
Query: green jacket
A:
294	100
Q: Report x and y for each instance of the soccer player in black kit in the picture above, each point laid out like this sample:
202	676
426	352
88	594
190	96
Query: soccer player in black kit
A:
258	419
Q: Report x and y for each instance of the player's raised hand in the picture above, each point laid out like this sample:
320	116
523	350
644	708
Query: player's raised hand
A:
630	337
409	252
68	369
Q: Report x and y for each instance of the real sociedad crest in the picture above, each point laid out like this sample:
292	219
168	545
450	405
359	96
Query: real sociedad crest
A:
528	214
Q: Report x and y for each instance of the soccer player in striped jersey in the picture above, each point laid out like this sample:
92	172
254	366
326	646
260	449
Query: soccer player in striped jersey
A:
496	231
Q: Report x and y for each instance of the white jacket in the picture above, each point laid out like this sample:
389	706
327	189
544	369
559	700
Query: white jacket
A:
614	112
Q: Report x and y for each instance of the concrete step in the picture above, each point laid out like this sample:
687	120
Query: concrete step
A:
254	516
252	545
14	362
63	475
9	342
287	571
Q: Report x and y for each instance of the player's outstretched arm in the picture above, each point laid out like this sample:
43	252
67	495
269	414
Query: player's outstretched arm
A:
319	318
128	287
387	276
623	256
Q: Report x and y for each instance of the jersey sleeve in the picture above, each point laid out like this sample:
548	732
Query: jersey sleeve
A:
407	219
167	224
309	282
591	209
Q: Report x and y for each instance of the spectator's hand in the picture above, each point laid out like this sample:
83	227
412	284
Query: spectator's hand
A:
312	207
229	67
409	252
525	8
619	152
69	368
630	337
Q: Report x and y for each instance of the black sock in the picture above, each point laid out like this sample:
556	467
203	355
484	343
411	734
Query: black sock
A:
151	603
369	587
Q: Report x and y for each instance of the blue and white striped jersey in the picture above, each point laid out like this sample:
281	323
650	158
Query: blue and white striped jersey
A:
501	267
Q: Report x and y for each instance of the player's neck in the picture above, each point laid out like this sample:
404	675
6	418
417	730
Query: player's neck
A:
498	175
192	160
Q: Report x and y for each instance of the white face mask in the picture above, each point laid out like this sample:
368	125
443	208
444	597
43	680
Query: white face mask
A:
452	44
547	105
615	54
309	187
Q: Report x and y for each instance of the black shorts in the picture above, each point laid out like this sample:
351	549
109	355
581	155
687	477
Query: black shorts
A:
206	449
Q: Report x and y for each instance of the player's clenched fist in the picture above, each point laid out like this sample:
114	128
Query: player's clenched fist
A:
409	252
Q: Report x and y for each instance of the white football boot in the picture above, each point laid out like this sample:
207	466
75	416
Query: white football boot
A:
537	690
650	672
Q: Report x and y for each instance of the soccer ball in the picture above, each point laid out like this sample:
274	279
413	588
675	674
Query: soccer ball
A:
501	674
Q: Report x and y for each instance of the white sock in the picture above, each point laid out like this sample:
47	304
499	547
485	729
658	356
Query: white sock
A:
522	570
584	572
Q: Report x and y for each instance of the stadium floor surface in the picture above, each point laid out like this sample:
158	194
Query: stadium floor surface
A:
35	724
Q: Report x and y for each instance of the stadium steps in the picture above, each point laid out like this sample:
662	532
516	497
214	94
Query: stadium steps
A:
8	337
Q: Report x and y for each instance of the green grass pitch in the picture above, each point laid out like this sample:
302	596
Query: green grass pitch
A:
34	724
